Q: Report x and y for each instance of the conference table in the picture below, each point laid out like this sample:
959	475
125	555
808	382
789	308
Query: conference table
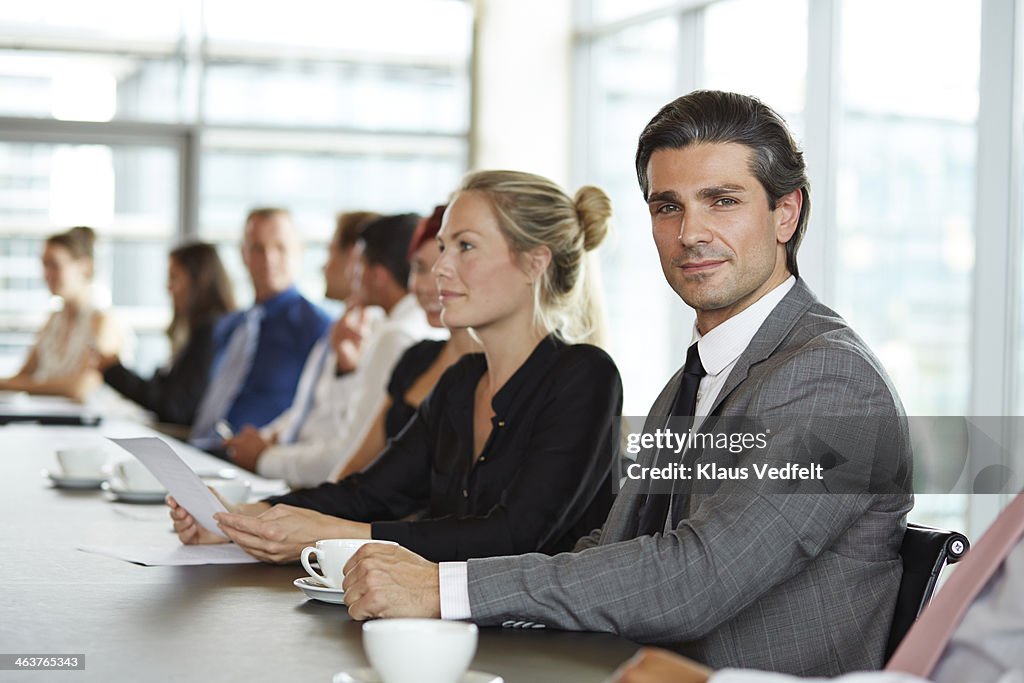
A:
244	622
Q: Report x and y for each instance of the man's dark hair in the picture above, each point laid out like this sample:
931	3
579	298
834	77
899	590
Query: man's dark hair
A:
348	225
386	242
711	116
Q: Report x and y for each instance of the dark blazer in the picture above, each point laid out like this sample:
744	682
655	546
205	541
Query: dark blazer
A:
173	393
291	325
802	583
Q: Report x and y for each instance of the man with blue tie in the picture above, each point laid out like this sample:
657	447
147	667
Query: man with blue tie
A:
260	352
338	398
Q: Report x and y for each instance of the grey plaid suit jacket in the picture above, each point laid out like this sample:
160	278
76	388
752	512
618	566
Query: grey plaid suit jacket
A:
803	584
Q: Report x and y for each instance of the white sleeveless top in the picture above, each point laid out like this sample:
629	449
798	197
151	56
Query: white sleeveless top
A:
62	343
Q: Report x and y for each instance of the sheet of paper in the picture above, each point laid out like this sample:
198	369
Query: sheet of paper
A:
174	556
177	477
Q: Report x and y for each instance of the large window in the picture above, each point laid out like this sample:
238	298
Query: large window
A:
768	68
621	104
631	72
129	190
887	100
905	200
201	109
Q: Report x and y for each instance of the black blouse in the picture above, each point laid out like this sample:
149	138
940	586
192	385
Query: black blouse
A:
413	363
543	480
172	393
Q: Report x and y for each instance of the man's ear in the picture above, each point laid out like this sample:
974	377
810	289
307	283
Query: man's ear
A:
382	277
787	215
375	273
536	261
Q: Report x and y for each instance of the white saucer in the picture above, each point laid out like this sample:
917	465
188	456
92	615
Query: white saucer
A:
62	482
368	675
317	591
121	494
217	473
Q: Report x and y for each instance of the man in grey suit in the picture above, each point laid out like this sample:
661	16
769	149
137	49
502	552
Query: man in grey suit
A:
737	572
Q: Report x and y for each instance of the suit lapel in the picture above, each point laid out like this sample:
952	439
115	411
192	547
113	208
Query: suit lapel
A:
623	520
766	341
768	338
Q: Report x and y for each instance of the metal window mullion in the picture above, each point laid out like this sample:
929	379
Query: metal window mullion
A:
189	166
690	51
818	257
995	298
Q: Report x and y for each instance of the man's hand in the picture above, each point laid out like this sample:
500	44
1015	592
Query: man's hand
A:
390	581
245	448
347	337
651	665
279	534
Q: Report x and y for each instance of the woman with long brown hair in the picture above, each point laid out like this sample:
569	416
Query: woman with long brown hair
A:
201	292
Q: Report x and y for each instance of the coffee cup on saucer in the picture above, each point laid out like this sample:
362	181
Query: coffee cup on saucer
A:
231	491
135	477
332	555
82	463
419	650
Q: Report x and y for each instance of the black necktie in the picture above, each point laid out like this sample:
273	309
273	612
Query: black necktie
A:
655	508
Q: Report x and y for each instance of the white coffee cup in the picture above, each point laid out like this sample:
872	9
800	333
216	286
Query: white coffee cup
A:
419	650
136	477
332	555
233	491
82	463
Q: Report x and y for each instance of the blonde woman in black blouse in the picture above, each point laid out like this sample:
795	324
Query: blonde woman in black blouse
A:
513	450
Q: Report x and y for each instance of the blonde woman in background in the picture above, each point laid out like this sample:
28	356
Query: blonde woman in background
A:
512	451
60	362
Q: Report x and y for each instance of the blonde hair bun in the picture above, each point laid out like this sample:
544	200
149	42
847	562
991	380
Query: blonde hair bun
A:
594	209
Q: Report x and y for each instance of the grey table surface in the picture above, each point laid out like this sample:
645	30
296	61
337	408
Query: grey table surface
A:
200	623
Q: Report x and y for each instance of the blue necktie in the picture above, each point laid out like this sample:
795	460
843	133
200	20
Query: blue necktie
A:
304	402
227	379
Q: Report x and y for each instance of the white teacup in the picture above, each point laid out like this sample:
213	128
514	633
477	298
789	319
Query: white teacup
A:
233	491
136	477
82	463
332	555
419	650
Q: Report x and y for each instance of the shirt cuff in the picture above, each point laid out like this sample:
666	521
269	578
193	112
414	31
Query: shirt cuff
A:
454	588
270	464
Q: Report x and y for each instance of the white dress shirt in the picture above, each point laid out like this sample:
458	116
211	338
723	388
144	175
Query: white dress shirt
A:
344	413
721	347
719	350
328	389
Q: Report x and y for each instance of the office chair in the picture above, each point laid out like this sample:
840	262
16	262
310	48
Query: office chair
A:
925	551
